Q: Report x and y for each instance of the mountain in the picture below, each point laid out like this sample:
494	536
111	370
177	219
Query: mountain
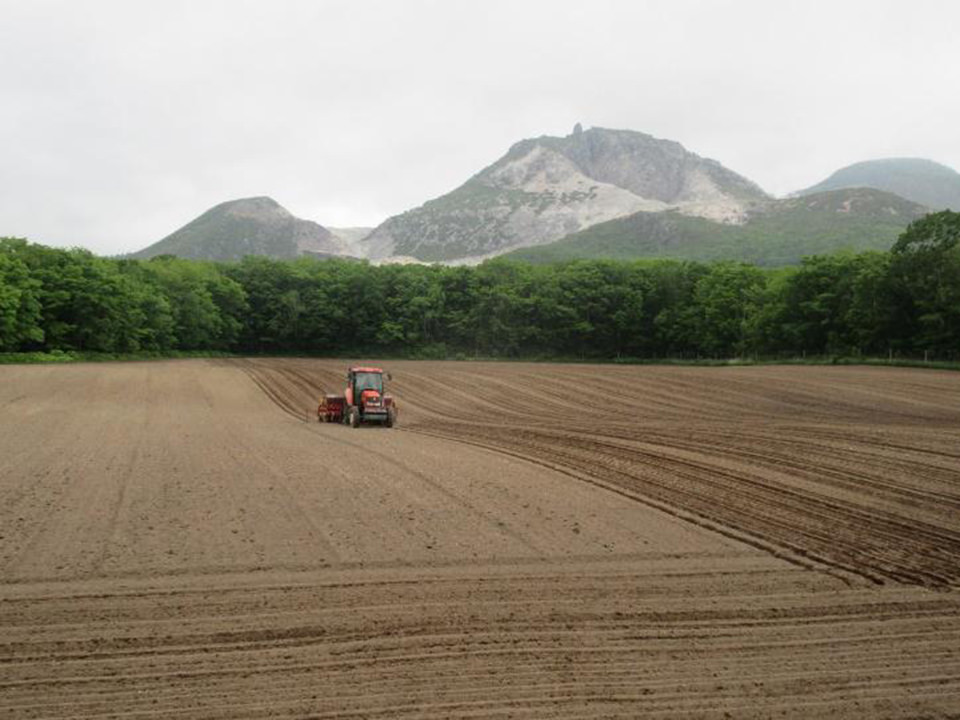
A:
548	187
250	226
922	181
778	232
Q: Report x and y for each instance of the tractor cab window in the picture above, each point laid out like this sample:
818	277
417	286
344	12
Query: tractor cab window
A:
368	381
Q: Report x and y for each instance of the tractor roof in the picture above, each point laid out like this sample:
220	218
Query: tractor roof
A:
364	368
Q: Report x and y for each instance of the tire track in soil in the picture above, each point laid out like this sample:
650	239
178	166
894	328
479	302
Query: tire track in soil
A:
784	499
443	490
843	536
585	472
795	454
690	635
535	644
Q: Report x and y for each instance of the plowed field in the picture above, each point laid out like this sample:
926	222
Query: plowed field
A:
529	541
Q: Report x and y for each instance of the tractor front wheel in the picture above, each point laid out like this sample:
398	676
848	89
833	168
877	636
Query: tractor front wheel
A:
354	417
391	418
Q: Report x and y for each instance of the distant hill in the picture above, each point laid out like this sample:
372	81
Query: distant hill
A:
545	188
780	232
922	181
250	226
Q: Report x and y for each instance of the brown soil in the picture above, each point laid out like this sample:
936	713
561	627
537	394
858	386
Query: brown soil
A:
530	541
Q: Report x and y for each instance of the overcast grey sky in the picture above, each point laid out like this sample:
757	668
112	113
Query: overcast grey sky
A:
121	121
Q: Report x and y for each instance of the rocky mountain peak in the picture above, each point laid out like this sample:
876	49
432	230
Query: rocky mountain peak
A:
647	166
547	187
261	206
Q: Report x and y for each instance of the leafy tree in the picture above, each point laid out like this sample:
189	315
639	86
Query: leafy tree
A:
86	302
723	301
206	306
20	310
925	270
669	301
908	299
273	320
499	318
766	330
817	304
872	314
156	328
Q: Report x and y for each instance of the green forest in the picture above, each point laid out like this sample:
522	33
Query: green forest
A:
904	302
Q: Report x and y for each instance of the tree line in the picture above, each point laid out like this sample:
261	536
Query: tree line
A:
905	301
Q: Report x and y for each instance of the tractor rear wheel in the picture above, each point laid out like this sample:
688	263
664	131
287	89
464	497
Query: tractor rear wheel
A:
354	418
391	418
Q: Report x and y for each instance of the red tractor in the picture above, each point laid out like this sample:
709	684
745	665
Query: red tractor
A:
363	401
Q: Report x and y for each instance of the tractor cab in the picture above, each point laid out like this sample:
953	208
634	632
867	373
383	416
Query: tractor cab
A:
364	383
363	400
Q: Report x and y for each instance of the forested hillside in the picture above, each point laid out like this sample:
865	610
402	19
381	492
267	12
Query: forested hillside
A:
906	300
776	233
248	226
922	181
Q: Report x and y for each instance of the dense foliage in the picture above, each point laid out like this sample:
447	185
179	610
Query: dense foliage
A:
905	301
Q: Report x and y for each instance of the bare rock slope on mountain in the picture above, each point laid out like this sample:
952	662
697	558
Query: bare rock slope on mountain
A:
548	187
249	226
775	233
349	238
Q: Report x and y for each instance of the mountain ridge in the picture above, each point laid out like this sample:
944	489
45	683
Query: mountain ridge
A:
551	192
